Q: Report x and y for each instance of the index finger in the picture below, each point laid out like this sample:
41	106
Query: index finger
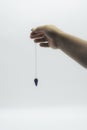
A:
34	35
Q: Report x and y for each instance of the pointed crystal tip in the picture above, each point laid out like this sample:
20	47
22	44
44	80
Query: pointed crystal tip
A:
36	81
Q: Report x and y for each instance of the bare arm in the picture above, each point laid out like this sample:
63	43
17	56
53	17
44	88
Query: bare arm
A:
75	48
51	36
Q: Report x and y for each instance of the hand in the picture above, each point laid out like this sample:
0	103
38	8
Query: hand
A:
47	36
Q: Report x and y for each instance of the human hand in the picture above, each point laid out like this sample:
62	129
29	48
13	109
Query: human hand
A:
47	36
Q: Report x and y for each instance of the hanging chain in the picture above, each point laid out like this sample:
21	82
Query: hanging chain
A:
35	61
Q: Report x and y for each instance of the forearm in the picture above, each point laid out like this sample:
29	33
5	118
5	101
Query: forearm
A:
75	48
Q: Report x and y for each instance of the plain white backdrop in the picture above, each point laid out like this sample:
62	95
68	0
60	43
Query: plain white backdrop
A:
60	100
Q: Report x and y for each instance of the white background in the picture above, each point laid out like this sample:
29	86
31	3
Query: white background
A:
60	100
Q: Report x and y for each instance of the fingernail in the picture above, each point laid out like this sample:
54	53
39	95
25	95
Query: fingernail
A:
32	29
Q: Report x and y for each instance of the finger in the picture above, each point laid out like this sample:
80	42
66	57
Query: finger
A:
40	40
44	44
35	35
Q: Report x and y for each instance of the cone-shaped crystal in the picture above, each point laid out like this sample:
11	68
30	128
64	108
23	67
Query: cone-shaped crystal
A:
36	81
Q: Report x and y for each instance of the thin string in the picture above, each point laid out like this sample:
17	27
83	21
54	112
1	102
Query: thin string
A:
35	61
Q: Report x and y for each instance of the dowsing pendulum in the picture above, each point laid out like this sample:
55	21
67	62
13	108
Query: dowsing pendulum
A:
36	79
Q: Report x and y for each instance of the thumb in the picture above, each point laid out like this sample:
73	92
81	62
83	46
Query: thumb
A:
38	29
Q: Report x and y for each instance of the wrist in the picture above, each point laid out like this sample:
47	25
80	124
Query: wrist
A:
60	39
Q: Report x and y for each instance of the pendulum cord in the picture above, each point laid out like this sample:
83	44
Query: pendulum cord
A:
36	80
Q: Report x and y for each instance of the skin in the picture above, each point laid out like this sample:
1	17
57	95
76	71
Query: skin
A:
51	36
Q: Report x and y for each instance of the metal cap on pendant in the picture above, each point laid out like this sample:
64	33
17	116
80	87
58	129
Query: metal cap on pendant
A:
36	81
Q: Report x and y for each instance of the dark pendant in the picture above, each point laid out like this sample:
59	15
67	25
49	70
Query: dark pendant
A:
36	81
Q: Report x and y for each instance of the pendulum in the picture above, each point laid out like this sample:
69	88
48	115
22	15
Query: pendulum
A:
36	79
